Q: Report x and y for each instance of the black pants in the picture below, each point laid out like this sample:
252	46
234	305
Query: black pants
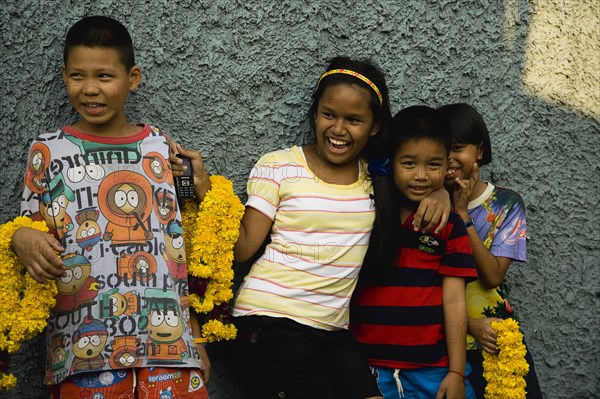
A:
282	359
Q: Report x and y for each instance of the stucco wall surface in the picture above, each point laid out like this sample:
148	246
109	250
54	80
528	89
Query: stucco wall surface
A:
233	78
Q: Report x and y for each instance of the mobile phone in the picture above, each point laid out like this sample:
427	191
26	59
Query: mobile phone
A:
184	184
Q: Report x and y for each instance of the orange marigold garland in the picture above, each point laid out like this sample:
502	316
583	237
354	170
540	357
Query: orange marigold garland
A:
505	371
24	303
210	232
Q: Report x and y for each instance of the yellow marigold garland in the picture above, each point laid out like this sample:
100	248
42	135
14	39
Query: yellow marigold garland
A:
505	371
24	303
210	232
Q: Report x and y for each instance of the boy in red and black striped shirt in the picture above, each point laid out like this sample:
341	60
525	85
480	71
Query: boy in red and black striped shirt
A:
409	311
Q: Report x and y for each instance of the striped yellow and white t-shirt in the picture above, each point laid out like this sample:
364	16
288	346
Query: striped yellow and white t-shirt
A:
319	239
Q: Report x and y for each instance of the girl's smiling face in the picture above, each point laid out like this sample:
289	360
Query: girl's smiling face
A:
462	158
343	123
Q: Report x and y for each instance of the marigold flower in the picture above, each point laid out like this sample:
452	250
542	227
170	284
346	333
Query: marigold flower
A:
210	232
25	304
505	371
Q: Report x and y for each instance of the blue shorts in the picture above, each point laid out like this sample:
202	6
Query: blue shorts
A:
420	383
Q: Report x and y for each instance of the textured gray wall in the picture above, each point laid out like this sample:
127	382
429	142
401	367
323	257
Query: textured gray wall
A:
232	79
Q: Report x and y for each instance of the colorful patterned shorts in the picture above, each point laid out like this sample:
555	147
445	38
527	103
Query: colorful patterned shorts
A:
139	383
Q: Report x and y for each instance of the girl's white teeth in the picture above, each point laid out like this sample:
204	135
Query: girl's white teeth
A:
338	146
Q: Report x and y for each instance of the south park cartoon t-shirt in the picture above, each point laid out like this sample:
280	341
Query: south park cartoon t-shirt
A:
123	301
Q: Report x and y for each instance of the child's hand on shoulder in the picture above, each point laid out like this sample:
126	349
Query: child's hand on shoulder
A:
37	251
452	387
201	179
434	210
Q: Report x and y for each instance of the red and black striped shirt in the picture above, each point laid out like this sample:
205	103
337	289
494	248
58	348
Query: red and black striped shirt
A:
399	320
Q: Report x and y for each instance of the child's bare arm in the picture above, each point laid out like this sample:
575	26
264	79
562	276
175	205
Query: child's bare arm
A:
254	229
38	253
455	327
433	209
196	332
254	226
491	269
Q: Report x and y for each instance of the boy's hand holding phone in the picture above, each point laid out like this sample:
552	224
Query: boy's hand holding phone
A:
179	168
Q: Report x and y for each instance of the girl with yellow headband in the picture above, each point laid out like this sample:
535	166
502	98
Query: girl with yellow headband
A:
315	204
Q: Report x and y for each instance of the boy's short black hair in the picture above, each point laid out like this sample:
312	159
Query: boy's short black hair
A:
101	31
468	127
419	122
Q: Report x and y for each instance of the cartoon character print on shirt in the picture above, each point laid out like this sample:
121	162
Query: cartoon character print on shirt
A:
174	252
37	164
125	200
185	306
57	352
76	287
124	352
165	206
53	207
89	232
165	328
88	342
157	168
91	170
114	304
140	266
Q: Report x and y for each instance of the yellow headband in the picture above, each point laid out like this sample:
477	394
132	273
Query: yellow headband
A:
356	75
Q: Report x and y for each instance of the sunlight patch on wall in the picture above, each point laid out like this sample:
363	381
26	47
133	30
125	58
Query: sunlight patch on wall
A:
562	56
